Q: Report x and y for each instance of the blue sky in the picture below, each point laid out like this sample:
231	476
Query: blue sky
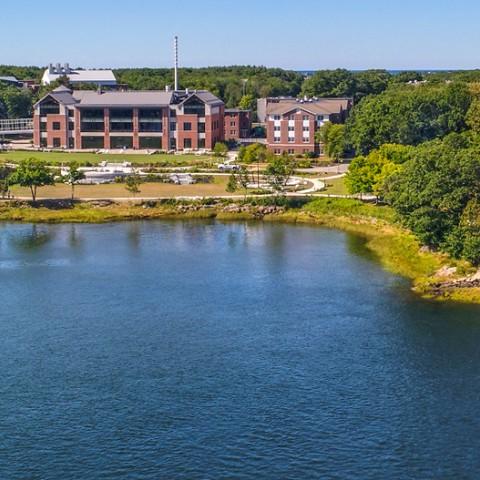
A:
298	34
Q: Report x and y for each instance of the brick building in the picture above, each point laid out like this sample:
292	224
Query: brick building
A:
166	120
238	123
291	123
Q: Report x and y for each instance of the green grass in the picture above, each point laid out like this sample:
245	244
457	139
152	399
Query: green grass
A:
57	158
336	186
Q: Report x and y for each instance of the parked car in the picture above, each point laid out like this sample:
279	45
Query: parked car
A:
228	167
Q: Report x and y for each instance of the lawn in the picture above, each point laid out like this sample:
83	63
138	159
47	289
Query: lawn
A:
84	158
336	186
118	190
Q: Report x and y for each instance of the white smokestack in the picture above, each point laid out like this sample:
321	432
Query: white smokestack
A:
175	48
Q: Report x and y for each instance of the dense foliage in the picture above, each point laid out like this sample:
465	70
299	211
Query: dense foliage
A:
228	83
434	188
408	115
15	102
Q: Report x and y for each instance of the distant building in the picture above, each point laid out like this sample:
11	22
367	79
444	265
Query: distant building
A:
10	80
238	123
103	78
159	120
291	123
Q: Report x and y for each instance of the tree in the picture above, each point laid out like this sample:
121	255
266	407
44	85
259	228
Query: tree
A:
232	183
132	184
254	153
5	172
369	174
243	179
220	149
330	83
32	173
436	195
333	137
278	172
472	117
247	102
73	176
408	115
18	102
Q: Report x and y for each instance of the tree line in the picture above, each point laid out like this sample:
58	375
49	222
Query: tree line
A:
237	85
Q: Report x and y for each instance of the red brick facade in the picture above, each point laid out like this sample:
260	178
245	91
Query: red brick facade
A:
172	128
291	123
238	124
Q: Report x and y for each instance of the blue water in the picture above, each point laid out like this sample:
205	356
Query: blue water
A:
185	350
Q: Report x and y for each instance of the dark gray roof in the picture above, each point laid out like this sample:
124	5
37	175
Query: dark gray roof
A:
205	96
149	98
9	79
62	95
87	98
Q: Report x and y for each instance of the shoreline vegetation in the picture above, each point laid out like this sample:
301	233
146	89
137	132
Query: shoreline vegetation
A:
434	275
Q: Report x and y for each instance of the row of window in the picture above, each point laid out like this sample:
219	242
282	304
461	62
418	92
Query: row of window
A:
304	117
127	142
126	126
290	151
291	140
276	128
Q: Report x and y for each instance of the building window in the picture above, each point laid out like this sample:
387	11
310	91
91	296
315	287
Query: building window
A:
201	127
49	107
194	106
150	126
150	120
150	142
291	129
43	142
93	142
306	139
187	143
276	117
71	142
305	118
121	120
56	125
232	132
173	144
291	117
173	126
291	151
276	151
71	113
276	139
43	126
320	118
201	143
70	125
291	139
306	129
92	120
187	126
276	128
121	142
232	124
56	142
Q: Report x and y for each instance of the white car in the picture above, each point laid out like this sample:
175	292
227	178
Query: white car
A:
228	167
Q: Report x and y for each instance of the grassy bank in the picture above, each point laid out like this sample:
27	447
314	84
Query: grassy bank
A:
396	248
88	158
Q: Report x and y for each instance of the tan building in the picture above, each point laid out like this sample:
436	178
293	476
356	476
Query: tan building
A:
291	123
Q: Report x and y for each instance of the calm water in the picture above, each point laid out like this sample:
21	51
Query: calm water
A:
238	351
